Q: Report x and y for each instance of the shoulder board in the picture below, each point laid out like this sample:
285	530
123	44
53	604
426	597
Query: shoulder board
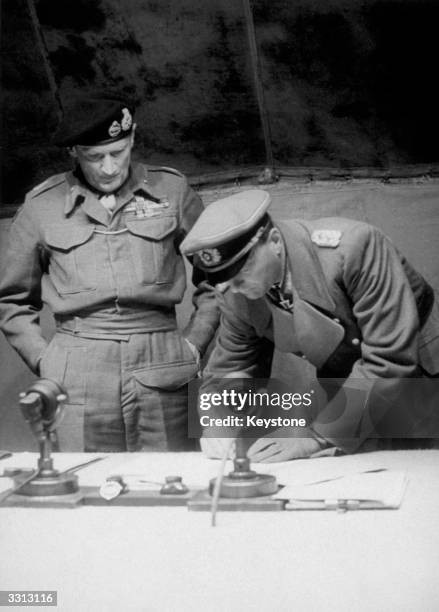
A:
51	182
326	238
17	212
165	169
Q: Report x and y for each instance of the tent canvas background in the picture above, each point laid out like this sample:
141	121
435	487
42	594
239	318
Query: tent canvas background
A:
347	85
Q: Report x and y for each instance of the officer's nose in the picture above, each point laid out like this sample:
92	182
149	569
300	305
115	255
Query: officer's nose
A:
108	165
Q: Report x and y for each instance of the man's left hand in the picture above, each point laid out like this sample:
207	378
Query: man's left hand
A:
270	450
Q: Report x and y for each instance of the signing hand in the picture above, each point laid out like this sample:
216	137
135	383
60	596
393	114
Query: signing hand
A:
269	450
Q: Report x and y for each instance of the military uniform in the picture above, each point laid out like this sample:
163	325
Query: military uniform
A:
358	312
112	281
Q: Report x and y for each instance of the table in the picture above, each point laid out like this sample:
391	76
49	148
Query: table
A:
168	559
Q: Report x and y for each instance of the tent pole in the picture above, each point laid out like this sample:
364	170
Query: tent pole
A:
268	175
41	45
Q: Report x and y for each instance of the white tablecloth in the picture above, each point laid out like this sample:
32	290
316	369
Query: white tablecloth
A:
169	559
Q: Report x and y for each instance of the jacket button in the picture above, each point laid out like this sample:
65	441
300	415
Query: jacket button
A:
355	341
304	357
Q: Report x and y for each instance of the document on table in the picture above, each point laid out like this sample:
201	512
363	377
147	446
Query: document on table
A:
364	490
5	484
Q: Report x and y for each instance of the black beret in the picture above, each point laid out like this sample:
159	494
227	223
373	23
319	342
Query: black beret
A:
94	120
221	239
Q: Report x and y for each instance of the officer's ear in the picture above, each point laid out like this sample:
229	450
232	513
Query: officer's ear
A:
72	152
275	241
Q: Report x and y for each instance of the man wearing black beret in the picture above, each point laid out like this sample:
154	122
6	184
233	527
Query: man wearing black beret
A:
99	245
337	293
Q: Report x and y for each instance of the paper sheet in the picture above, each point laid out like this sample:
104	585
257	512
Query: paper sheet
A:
385	488
5	484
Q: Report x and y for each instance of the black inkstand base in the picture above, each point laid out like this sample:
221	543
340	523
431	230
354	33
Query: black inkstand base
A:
241	489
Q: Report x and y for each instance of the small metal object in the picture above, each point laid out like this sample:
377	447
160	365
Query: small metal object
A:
112	487
174	486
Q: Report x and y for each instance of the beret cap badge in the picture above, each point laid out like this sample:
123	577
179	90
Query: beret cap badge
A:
116	128
127	120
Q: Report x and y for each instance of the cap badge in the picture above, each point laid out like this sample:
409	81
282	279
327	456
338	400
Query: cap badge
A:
326	238
116	128
127	120
210	257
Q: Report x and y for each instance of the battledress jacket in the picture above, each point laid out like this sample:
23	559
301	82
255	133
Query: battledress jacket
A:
361	313
125	270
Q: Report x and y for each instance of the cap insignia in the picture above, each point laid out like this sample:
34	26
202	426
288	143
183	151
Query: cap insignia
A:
210	257
127	120
116	127
326	238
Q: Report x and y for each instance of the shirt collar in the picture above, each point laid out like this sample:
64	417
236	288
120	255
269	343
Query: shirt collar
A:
136	182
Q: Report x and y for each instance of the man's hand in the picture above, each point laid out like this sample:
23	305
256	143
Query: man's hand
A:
214	448
269	450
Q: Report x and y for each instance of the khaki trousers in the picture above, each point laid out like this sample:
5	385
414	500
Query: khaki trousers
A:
123	395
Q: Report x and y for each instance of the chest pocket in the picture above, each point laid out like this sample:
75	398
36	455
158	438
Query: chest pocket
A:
152	249
72	263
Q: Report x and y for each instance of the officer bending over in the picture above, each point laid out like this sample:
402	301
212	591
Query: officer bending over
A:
334	291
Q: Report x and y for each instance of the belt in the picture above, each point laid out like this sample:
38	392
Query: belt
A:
117	324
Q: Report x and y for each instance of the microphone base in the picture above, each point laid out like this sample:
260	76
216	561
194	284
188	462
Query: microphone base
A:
48	483
58	484
250	484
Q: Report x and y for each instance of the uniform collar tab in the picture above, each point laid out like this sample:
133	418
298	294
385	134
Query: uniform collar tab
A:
306	272
75	193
